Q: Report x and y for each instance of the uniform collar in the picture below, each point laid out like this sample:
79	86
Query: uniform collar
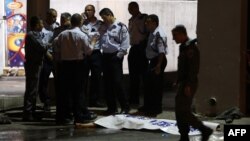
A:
76	28
92	23
44	30
113	25
51	27
185	44
38	33
156	30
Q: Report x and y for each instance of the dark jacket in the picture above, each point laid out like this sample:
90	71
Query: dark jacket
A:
188	62
35	49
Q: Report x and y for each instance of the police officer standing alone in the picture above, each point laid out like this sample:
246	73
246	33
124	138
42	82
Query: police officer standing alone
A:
137	61
188	68
156	54
114	43
94	61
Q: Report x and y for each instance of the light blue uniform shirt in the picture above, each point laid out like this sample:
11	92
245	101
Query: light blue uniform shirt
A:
51	27
47	35
155	45
92	29
116	38
72	44
47	38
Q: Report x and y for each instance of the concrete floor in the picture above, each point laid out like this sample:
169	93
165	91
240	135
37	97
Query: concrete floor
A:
48	130
11	93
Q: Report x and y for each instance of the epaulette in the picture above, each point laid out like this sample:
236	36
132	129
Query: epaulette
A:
158	37
157	34
192	42
122	25
121	31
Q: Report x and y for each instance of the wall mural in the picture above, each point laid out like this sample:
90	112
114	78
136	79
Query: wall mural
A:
16	28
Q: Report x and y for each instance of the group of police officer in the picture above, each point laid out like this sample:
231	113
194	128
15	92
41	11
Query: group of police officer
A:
83	43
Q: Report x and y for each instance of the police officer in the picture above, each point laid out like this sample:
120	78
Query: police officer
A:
64	25
94	61
156	54
114	43
74	46
35	50
188	68
137	61
48	67
50	21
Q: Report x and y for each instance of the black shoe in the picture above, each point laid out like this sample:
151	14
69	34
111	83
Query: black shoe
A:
134	102
64	122
46	108
29	117
96	104
142	112
108	113
184	138
86	118
149	114
141	109
206	132
125	111
138	113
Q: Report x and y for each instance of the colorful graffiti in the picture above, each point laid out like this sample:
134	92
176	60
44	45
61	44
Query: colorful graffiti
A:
16	29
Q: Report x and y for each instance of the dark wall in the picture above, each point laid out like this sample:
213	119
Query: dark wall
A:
37	8
222	41
248	60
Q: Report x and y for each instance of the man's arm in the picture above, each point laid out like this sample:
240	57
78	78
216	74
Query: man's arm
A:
36	43
125	42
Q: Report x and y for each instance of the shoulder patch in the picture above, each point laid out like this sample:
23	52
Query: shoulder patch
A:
124	28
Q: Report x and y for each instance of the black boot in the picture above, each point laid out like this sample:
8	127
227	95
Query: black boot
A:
206	132
184	137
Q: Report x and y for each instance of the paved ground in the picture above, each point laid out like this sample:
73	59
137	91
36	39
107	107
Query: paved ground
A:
11	88
48	130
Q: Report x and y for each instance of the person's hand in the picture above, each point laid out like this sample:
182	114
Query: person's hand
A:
49	56
94	39
89	52
120	54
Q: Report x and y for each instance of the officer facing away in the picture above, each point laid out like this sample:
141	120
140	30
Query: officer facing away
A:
188	68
